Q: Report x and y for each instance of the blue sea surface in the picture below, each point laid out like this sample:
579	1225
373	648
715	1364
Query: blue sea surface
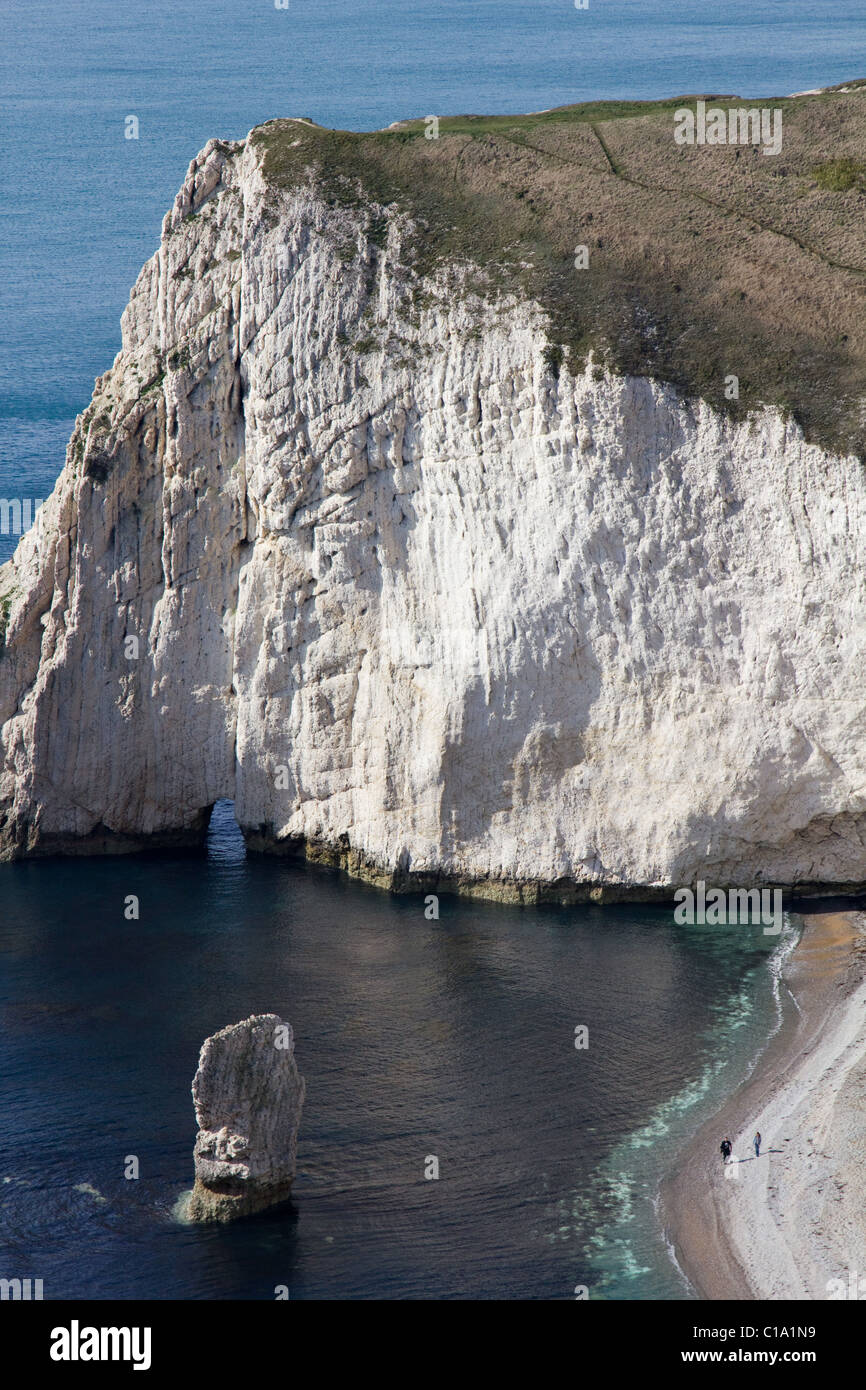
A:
417	1038
451	1039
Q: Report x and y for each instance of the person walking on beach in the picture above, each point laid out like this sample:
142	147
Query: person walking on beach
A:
757	1143
726	1147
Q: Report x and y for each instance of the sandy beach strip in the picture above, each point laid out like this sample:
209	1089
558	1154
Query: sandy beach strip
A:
787	1224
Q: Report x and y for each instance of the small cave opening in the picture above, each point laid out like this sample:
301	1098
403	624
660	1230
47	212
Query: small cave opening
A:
225	842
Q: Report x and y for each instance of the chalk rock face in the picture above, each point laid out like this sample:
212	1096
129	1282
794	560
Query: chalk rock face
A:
360	559
248	1097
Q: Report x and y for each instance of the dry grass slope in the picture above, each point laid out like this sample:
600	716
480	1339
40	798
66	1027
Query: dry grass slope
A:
704	261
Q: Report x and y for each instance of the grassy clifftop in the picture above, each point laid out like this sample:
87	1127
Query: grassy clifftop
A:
705	261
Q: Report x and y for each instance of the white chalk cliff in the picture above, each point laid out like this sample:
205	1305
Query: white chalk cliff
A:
420	605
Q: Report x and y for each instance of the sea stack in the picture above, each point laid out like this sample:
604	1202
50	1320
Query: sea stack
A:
248	1096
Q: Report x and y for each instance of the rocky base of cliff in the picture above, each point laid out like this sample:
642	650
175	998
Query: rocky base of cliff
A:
228	1204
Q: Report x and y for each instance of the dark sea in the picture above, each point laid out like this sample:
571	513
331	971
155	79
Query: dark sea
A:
453	1038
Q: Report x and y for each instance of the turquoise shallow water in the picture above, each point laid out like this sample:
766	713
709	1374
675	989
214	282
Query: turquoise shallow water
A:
452	1038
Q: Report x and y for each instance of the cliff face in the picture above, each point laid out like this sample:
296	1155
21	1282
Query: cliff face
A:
353	547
